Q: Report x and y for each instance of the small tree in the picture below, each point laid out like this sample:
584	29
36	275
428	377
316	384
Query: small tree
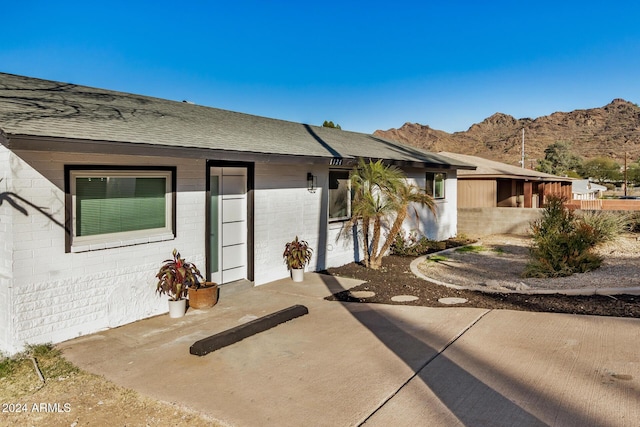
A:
633	173
330	124
562	243
381	199
601	169
558	159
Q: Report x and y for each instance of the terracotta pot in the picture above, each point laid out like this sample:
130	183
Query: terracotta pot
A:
203	297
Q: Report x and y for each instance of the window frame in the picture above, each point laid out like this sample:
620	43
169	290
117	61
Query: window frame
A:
346	217
75	243
431	178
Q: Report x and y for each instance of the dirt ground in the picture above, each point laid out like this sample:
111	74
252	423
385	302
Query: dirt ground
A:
396	279
70	397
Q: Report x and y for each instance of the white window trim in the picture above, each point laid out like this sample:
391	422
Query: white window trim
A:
349	215
128	238
444	185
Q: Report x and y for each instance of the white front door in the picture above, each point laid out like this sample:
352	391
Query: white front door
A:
228	224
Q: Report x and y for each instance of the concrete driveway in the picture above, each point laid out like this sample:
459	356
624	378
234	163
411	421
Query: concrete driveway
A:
348	364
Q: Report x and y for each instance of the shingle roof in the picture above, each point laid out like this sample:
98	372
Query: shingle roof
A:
584	186
42	108
492	169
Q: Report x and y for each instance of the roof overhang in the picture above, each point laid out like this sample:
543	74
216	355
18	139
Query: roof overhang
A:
516	177
58	144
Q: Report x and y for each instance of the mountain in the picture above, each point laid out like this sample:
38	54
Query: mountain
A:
607	131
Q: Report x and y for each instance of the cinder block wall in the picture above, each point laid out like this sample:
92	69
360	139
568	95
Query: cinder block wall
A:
485	221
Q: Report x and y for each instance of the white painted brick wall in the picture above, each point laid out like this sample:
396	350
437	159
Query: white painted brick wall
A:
53	295
58	295
6	252
444	224
282	192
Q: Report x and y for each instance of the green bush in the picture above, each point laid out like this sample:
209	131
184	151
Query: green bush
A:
562	243
608	225
634	222
414	245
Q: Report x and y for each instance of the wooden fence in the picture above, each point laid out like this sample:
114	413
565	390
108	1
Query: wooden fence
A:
605	205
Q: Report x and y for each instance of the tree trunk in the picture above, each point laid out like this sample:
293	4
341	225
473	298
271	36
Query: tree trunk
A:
365	240
375	240
395	229
375	262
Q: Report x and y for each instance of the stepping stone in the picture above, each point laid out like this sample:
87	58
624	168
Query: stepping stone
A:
404	298
362	294
450	301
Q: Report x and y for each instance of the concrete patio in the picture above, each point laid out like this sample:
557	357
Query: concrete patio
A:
348	364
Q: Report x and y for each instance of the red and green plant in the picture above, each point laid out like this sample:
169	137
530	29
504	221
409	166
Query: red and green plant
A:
175	276
297	254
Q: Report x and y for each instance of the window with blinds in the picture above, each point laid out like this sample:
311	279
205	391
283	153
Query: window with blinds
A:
120	205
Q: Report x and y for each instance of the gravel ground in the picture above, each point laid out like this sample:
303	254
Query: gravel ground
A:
396	279
500	263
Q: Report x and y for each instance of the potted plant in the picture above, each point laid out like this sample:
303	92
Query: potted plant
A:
296	255
174	278
203	295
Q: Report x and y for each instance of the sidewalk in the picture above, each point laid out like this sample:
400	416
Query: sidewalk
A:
347	364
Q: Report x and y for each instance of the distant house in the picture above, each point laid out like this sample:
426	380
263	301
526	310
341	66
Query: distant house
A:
495	184
98	187
583	189
488	194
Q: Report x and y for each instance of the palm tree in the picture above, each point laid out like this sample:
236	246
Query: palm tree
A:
381	192
406	195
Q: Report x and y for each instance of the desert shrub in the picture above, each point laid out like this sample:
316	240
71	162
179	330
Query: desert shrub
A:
634	222
413	244
608	225
562	243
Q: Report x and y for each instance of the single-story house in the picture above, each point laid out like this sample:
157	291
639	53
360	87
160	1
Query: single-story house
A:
496	184
98	187
488	195
583	189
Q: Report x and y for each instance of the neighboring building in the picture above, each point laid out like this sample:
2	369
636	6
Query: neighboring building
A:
98	187
488	194
583	189
495	184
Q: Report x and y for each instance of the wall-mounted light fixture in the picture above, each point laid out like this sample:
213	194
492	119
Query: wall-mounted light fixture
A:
312	182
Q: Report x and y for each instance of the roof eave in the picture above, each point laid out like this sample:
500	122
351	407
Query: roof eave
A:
52	143
511	176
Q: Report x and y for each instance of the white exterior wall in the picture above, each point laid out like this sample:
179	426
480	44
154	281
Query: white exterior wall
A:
445	224
6	251
284	209
47	295
57	295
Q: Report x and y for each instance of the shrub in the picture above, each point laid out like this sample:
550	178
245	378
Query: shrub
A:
414	245
608	225
634	222
562	243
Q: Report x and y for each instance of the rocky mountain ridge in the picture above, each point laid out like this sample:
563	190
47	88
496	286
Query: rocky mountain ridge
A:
608	131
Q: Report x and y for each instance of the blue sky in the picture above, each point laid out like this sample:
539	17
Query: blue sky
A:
365	65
